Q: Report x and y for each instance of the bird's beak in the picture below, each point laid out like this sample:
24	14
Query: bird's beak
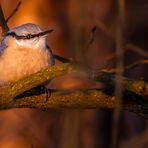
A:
44	33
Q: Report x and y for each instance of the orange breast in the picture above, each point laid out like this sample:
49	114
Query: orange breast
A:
16	63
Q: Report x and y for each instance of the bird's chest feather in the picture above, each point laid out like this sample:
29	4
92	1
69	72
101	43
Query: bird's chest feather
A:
19	62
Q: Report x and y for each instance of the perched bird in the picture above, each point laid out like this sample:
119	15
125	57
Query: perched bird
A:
24	51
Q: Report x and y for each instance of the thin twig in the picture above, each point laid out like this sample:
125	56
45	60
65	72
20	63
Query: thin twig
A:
13	12
3	23
128	46
137	63
100	25
112	57
119	66
136	49
92	37
128	67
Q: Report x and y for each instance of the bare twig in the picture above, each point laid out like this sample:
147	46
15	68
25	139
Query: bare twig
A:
104	29
137	49
119	66
129	46
128	67
92	37
13	12
3	23
135	64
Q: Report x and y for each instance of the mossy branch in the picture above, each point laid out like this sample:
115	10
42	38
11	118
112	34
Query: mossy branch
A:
82	99
35	98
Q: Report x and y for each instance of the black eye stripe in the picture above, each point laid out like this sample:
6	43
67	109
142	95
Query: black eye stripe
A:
28	36
13	34
18	37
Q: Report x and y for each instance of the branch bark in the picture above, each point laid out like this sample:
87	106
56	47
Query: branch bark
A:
13	96
84	99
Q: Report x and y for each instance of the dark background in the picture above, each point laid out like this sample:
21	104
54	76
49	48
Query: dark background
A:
72	21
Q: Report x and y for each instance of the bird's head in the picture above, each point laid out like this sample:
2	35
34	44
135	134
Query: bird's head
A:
28	35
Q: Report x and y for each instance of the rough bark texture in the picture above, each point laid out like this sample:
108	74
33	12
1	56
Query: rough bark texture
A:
22	94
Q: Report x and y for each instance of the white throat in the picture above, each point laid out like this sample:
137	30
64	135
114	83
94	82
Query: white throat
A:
38	43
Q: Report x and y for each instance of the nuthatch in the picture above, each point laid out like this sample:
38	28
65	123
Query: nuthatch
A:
24	51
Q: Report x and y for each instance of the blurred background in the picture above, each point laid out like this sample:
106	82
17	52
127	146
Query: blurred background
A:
73	21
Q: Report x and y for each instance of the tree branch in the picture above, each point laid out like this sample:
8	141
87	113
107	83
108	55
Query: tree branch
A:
73	99
3	23
84	99
13	12
130	66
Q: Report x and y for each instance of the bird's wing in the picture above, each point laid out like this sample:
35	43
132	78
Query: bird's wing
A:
3	46
58	57
52	59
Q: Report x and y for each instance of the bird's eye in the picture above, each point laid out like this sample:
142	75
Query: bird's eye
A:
28	36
